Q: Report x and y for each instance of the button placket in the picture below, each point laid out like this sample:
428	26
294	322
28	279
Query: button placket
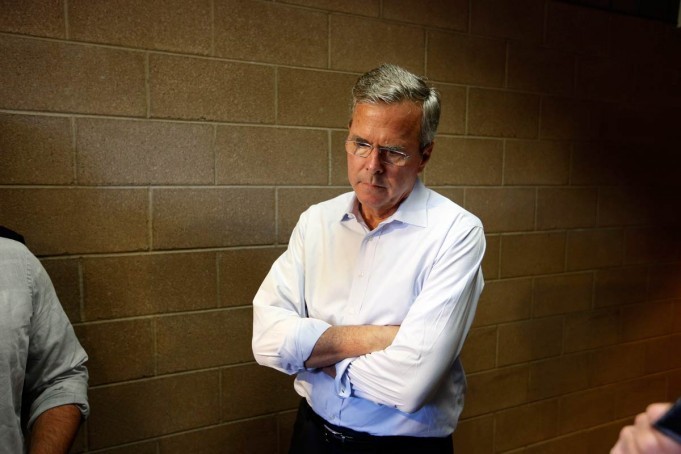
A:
365	264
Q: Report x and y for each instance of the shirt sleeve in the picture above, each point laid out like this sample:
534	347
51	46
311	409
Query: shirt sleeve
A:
55	371
430	338
283	335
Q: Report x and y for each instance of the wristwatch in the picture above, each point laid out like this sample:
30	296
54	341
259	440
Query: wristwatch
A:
670	423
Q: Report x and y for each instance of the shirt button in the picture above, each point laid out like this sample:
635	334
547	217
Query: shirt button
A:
361	274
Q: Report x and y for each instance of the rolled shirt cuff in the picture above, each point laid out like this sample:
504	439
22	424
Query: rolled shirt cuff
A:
298	348
342	381
73	393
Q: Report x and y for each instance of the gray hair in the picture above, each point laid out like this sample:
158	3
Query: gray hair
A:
392	84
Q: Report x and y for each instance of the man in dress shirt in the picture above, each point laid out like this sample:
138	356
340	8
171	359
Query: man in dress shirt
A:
43	378
372	300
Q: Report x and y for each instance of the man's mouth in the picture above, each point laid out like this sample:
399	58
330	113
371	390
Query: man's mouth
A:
376	184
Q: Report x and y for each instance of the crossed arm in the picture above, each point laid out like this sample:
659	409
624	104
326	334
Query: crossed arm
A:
341	342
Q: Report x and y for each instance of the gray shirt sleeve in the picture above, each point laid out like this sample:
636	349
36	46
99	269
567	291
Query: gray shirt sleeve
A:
55	368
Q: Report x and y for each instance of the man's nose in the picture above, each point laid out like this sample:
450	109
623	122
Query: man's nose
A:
373	161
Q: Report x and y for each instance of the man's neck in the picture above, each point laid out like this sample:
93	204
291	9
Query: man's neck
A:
372	220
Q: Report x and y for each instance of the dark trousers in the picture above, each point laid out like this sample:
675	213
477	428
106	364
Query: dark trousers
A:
313	435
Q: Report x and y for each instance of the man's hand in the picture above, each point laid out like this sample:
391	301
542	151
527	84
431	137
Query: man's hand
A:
642	438
341	342
54	430
330	371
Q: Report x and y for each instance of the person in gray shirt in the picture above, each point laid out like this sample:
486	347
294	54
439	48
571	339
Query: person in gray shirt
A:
43	378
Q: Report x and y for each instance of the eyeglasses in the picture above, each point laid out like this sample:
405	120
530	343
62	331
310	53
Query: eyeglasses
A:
386	155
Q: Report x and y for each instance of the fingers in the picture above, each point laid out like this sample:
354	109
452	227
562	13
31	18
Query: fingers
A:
655	411
330	371
626	442
642	438
619	446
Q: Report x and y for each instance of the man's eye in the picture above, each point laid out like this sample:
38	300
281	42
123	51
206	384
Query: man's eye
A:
393	153
363	146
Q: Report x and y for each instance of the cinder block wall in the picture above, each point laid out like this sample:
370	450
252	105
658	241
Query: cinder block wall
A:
156	155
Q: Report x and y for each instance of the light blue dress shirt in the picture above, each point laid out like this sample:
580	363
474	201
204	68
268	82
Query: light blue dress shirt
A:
41	360
419	269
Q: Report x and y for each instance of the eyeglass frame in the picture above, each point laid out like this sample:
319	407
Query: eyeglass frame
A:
382	152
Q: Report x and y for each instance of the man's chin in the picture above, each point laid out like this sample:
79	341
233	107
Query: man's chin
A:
371	196
371	201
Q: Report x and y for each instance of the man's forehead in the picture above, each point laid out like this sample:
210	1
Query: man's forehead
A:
404	117
403	110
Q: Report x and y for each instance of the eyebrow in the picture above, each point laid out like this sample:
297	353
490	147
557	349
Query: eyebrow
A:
386	147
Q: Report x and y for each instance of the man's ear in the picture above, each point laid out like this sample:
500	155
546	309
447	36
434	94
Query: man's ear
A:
425	155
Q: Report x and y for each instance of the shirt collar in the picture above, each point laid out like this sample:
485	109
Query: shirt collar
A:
411	211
